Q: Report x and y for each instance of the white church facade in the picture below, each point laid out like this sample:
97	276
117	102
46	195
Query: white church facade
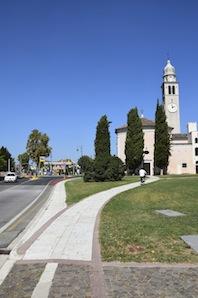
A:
184	146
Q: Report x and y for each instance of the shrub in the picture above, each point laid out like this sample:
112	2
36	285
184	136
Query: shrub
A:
86	164
115	169
88	176
100	169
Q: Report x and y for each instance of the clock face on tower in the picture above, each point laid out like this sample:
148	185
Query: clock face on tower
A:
172	107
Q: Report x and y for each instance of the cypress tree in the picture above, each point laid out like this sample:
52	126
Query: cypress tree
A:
134	141
102	149
162	140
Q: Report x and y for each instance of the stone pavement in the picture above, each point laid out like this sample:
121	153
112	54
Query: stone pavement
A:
120	281
59	256
154	281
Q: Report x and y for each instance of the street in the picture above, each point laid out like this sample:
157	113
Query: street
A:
14	198
5	186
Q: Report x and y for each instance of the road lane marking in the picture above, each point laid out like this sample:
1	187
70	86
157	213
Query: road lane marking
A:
42	288
22	212
5	269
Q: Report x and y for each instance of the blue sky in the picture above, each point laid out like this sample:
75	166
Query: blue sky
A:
64	64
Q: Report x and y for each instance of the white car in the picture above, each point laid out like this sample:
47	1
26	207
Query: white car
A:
10	177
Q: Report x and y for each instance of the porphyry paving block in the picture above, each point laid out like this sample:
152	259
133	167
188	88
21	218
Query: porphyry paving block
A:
21	280
191	240
151	282
71	281
169	213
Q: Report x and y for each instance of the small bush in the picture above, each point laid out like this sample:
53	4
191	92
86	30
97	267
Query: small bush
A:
116	169
88	176
86	164
100	168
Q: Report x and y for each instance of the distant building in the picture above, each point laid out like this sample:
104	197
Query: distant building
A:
63	166
184	146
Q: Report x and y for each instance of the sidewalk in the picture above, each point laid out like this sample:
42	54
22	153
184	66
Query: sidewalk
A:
61	245
70	235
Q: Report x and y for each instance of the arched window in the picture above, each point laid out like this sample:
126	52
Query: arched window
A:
196	140
169	89
173	89
196	151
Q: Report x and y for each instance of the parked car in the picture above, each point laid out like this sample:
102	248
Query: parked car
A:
10	177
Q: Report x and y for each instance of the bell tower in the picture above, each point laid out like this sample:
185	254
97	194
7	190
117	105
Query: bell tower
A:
170	93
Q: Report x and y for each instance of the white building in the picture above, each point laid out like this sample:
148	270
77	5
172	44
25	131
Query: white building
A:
184	146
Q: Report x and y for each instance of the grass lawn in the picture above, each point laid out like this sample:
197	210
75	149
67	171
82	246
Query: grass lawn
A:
78	189
130	230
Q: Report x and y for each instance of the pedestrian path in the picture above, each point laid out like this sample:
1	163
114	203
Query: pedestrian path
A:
70	235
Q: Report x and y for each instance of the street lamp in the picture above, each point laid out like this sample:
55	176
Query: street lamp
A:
144	153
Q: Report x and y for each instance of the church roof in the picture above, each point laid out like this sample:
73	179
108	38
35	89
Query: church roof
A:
179	136
146	123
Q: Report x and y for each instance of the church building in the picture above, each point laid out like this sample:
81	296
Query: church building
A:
184	146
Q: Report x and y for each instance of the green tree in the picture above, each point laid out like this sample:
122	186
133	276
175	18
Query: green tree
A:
3	163
86	163
162	141
24	160
134	145
102	148
37	145
5	155
116	169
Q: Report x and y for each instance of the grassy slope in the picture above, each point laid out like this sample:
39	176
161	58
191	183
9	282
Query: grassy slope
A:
78	189
130	230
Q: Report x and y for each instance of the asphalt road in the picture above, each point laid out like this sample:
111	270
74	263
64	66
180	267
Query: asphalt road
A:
17	196
4	186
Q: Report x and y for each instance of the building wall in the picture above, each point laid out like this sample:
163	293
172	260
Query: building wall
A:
194	140
121	139
181	154
180	142
149	135
149	139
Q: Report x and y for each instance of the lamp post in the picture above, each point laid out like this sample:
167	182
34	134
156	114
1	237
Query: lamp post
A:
144	153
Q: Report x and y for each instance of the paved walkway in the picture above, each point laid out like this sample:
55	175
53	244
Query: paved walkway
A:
70	235
59	256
